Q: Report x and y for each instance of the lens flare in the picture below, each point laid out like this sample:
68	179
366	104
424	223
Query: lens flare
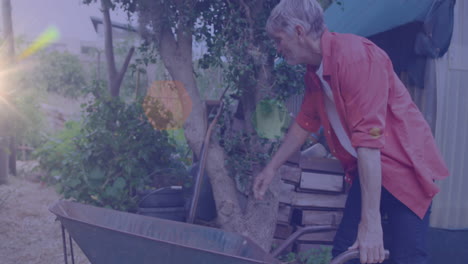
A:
167	105
45	39
8	71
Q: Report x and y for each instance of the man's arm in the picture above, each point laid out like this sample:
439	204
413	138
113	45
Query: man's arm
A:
370	235
293	140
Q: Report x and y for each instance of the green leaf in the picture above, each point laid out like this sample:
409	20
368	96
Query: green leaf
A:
119	184
74	182
96	174
111	192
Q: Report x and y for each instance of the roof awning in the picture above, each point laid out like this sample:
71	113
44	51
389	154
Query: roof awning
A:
369	17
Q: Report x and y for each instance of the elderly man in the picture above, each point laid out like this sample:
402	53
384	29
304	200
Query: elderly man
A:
371	125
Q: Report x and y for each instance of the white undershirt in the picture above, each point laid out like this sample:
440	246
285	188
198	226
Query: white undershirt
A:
333	117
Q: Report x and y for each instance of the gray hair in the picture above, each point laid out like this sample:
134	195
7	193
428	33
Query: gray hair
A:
290	13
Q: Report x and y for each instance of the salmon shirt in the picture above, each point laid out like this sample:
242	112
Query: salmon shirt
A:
376	111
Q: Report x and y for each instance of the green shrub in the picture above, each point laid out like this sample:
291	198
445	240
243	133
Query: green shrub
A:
56	149
313	256
115	153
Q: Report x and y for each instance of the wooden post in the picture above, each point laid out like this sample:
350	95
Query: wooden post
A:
3	160
12	158
10	58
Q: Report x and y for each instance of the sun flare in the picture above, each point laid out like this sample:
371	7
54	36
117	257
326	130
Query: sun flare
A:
9	71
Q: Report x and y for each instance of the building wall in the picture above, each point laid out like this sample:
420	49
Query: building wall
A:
450	207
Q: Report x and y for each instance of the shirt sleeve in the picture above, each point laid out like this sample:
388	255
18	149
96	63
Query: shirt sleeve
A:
365	89
308	117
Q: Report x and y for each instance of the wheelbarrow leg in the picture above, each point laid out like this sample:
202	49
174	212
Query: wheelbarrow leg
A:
71	249
64	241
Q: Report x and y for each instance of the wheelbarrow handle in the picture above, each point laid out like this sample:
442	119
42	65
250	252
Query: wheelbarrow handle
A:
351	254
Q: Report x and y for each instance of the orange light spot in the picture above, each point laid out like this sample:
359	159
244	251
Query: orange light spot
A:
167	105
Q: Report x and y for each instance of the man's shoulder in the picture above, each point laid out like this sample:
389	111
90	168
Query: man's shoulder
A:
349	48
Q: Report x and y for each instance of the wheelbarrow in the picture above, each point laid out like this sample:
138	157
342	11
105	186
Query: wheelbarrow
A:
112	237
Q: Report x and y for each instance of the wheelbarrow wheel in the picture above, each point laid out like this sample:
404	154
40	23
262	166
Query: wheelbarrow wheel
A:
351	254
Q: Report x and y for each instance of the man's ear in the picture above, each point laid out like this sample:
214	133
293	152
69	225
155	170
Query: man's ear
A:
299	30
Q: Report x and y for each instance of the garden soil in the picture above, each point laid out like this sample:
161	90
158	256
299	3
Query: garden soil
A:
29	233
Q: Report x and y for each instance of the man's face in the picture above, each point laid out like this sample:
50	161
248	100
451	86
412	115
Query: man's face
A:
288	46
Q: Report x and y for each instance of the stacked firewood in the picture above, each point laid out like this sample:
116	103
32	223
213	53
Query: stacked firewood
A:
312	193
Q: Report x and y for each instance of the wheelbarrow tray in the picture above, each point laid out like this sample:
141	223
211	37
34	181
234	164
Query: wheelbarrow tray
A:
110	236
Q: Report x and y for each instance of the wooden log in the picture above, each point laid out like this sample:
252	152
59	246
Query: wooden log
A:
312	200
289	196
284	213
321	217
321	164
320	181
285	193
283	231
290	174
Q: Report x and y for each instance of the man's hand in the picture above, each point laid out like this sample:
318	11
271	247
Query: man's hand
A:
370	242
262	181
293	140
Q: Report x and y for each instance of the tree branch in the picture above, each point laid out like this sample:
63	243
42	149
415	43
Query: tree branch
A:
185	25
109	48
249	19
124	68
167	42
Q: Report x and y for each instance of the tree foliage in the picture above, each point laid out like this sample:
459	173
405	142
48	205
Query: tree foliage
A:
234	32
57	72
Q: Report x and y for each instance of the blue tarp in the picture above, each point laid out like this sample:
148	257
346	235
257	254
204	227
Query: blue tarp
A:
369	17
408	30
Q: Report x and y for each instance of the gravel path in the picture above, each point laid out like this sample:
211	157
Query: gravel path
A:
28	231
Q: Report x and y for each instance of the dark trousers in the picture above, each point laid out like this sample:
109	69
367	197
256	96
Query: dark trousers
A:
404	232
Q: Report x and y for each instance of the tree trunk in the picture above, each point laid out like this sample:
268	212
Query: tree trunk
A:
177	57
10	57
114	77
258	220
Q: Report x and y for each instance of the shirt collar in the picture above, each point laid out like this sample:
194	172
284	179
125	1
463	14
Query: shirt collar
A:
325	40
